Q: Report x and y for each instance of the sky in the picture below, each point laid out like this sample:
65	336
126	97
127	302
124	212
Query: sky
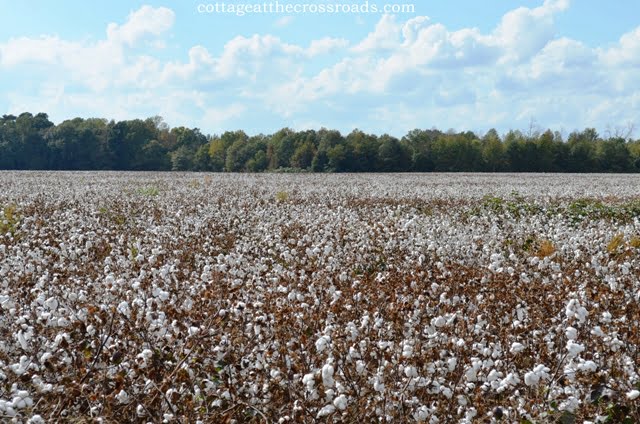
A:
449	64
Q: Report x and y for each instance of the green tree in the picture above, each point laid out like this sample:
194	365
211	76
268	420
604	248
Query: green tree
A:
363	151
303	156
420	145
392	155
494	155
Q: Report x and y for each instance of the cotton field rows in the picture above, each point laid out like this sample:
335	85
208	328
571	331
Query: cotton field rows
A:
332	298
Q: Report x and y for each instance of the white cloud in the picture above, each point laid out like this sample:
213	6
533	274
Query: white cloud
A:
385	36
627	52
96	65
325	45
523	32
401	75
143	22
217	116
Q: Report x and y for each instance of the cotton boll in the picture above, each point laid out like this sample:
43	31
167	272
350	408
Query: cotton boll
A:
122	397
410	371
378	385
340	402
516	347
440	322
309	381
447	392
140	411
326	410
588	366
633	394
407	350
322	342
51	303
571	333
531	379
327	375
422	413
574	349
451	364
493	375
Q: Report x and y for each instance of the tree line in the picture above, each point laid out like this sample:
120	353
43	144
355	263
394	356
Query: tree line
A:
34	142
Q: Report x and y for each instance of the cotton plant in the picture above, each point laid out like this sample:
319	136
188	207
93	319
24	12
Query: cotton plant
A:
392	298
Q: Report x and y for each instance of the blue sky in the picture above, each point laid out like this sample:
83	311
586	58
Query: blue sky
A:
466	65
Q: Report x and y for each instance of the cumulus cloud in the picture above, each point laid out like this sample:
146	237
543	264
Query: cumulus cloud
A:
402	73
143	22
386	35
99	64
627	52
523	32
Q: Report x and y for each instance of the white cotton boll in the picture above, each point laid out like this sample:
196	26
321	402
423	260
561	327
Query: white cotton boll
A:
451	364
124	309
329	394
446	392
471	374
571	333
163	295
407	350
440	322
51	303
421	414
516	347
309	381
378	386
22	340
322	342
511	380
582	313
340	402
140	411
531	379
588	366
122	397
19	403
327	375
326	410
360	367
36	419
574	348
411	372
493	375
633	394
571	308
10	411
353	353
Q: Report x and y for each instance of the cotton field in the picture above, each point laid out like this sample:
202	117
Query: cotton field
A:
444	298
